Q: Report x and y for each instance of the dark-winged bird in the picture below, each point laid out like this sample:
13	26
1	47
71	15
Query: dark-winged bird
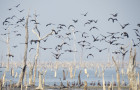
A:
113	19
85	14
123	26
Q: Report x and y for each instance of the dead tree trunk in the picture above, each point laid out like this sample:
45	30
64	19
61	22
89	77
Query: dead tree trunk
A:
131	71
103	78
64	77
79	79
118	75
30	75
36	57
25	54
37	50
8	49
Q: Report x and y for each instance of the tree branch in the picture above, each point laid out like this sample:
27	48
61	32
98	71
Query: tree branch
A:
36	34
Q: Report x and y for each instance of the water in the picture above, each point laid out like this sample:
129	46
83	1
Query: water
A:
109	76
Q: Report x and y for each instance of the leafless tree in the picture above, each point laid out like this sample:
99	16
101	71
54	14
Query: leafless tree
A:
19	83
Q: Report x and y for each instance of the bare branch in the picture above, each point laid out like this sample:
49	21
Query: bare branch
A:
46	35
36	34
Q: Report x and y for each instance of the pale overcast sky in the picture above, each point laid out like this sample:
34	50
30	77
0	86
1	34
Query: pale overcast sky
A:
63	12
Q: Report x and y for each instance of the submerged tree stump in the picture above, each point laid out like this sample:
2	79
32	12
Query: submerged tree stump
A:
64	77
85	85
79	79
40	83
0	84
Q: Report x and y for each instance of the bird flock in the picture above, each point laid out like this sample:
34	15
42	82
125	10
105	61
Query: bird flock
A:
68	33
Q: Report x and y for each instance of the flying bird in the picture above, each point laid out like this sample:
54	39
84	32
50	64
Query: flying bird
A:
10	55
138	25
13	16
110	42
124	53
17	5
113	19
10	9
18	34
75	21
85	14
134	44
125	34
123	26
90	55
87	23
114	15
116	52
56	32
137	34
50	24
45	48
21	10
136	30
100	50
31	49
71	26
57	56
90	47
93	28
15	46
95	38
70	51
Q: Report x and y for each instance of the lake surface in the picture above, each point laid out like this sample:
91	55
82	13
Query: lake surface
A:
109	76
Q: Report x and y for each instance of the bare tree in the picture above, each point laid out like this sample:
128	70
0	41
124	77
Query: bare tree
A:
131	71
118	75
8	48
19	83
38	45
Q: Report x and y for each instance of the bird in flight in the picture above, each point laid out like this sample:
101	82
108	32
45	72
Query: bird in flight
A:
31	49
114	15
57	56
116	52
113	19
10	9
138	25
15	46
17	5
124	53
134	44
90	47
123	26
45	48
50	24
125	34
56	32
95	38
87	23
110	42
85	14
93	28
18	34
21	10
70	51
10	55
90	55
100	50
136	30
75	21
71	26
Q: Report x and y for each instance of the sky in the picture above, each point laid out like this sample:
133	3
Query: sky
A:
64	12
